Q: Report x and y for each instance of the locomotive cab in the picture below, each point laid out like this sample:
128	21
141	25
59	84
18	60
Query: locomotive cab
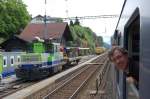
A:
44	59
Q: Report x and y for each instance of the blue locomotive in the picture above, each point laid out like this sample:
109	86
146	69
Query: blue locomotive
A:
45	59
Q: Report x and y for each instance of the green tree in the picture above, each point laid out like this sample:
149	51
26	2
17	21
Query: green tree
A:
84	37
13	17
71	23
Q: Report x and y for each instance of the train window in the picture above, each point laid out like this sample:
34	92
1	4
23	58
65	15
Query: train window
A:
133	40
132	44
4	61
51	48
18	59
31	58
12	60
55	48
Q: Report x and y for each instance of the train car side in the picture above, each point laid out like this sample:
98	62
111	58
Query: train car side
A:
71	56
8	63
132	33
84	51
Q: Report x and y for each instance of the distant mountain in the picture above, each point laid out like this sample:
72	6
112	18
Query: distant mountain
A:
106	45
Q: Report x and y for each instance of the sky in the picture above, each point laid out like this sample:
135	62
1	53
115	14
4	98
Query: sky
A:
58	8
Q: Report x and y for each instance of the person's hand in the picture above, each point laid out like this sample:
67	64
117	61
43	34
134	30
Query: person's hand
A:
130	80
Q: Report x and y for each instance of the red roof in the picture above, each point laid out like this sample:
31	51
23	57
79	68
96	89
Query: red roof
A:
54	30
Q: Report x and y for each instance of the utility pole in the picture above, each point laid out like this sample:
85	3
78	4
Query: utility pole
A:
45	24
67	11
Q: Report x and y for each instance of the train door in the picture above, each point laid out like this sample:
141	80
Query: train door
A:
132	44
57	59
54	58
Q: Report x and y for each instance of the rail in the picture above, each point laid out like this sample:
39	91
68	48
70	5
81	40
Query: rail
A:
41	89
72	85
71	88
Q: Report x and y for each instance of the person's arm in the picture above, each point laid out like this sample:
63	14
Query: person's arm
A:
131	80
133	73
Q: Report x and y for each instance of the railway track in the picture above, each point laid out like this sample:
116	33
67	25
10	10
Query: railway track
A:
70	88
9	88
